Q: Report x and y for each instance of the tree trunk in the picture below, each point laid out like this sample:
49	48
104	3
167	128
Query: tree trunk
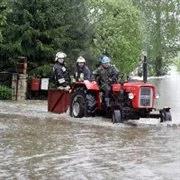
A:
158	66
158	41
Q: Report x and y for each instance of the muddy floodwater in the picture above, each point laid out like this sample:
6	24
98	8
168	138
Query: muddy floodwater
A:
35	144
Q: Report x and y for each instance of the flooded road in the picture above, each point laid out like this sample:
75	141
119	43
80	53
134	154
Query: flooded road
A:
35	144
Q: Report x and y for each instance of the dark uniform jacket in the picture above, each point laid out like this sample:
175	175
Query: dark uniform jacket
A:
61	74
106	76
84	71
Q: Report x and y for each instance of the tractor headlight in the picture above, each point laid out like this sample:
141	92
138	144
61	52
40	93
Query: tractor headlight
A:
131	96
157	96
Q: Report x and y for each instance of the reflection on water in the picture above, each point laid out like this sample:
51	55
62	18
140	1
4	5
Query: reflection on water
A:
58	148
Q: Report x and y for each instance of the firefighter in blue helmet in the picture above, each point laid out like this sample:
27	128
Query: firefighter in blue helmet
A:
106	74
82	71
61	73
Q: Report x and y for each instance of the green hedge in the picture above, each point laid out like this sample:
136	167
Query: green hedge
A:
5	93
42	71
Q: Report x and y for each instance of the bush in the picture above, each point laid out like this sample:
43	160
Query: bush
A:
43	71
5	92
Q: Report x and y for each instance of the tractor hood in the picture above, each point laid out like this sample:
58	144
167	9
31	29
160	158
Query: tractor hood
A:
144	94
130	86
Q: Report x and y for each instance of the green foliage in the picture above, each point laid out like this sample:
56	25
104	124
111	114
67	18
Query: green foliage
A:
177	61
117	32
5	93
3	12
160	30
38	29
178	64
41	71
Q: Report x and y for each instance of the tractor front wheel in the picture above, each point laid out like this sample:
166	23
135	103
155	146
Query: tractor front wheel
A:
165	115
117	116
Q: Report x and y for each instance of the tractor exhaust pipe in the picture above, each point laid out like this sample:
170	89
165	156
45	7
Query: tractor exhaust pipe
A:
145	69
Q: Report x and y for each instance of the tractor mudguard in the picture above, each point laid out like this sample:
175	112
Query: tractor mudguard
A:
90	85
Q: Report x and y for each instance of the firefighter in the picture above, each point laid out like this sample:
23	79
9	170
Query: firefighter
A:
82	72
106	74
61	73
99	60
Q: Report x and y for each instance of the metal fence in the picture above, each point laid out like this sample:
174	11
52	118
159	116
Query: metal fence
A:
5	79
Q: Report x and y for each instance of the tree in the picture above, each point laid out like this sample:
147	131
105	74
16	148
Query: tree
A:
38	29
161	31
3	12
117	32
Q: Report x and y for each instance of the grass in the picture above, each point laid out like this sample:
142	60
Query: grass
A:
5	92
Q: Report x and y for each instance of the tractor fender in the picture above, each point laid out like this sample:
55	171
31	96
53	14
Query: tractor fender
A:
89	85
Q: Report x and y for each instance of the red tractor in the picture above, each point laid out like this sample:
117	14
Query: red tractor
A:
128	100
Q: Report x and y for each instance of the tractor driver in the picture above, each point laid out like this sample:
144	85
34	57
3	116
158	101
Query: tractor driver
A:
61	73
82	71
106	74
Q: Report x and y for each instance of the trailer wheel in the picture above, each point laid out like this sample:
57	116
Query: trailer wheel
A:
83	103
165	115
117	116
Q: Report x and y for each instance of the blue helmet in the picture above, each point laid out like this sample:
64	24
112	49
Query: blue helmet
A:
105	60
100	57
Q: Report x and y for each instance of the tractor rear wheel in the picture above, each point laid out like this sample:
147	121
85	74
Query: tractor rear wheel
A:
117	116
83	103
91	104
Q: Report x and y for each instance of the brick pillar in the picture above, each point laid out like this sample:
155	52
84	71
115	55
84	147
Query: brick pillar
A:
19	87
22	87
14	86
19	81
